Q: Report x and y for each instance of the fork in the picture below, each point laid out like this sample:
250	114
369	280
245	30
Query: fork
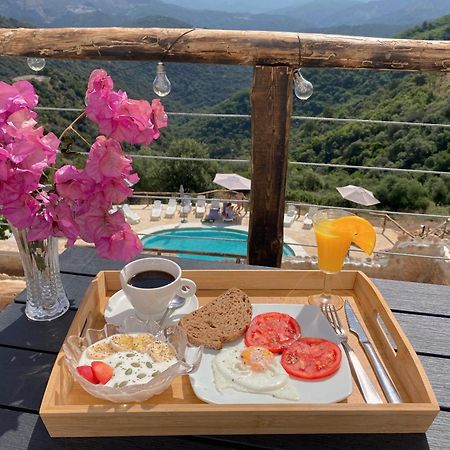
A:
368	390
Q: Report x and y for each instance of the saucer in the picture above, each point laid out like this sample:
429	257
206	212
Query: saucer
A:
119	308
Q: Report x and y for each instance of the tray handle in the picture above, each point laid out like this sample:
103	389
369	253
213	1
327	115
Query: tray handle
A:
392	344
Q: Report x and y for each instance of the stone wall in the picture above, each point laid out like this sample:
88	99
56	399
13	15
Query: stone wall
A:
395	267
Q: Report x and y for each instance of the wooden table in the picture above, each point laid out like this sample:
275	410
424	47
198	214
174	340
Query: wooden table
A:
28	350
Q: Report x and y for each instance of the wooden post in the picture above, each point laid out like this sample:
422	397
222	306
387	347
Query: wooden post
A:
271	101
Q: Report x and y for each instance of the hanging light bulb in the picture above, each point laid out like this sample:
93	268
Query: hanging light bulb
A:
303	89
36	64
161	84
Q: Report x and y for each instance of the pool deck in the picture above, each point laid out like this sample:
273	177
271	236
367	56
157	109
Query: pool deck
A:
301	240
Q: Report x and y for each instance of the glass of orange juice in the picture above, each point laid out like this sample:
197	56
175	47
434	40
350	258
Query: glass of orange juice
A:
335	231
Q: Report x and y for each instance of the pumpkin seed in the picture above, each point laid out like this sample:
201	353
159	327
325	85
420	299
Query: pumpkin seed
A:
129	355
124	383
156	372
128	371
149	364
141	375
135	364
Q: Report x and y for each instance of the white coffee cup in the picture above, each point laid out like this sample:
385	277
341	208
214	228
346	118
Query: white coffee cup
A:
151	303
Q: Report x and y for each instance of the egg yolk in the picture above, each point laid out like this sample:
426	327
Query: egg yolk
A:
257	358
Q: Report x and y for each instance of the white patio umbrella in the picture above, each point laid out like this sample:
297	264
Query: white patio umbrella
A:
358	194
233	181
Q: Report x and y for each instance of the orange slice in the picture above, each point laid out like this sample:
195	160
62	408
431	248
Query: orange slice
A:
360	230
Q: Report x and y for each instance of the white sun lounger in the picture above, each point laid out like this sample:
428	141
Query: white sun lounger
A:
156	210
215	204
171	207
290	216
229	217
307	221
186	206
200	206
132	217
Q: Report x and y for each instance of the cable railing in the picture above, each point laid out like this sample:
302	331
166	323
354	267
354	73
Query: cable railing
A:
293	163
248	116
300	205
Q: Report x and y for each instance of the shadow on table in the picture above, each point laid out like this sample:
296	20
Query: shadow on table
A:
20	431
283	442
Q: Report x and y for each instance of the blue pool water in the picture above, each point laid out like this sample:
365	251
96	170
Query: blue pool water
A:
216	240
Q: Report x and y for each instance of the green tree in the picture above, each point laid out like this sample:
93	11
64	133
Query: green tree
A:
440	190
195	176
402	194
4	229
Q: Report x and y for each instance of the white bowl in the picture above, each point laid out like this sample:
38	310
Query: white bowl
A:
188	359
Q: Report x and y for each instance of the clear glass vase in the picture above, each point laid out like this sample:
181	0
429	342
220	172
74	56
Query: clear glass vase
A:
46	298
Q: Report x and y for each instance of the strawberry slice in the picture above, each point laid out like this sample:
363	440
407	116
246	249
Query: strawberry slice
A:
102	371
87	373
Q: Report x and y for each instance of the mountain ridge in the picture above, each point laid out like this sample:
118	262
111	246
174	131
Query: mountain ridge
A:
307	16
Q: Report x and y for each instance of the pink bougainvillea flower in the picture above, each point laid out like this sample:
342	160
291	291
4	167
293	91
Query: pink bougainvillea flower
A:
107	160
115	191
17	122
102	109
121	118
72	183
41	227
159	116
102	101
80	201
133	122
123	245
26	93
4	164
15	97
23	150
99	81
56	218
22	181
95	221
21	211
49	143
64	223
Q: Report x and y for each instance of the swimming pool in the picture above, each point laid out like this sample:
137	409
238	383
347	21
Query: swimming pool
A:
212	240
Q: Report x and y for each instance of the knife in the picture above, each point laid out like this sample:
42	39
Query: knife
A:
383	377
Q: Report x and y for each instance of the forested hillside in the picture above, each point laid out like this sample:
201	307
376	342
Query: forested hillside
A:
363	94
337	93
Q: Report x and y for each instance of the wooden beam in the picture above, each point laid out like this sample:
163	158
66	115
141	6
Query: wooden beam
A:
227	47
271	101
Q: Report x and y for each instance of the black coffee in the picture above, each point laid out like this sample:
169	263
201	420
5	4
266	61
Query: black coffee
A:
151	279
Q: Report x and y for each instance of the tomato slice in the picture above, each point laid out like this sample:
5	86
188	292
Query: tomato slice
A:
311	358
274	331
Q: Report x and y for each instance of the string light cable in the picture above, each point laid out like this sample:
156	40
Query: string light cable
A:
161	84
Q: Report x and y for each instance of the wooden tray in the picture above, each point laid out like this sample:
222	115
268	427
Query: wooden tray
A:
67	410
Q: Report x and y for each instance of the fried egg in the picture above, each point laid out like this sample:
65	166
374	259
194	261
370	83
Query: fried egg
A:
252	369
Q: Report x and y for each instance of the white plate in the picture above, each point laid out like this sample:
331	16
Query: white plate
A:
327	390
119	308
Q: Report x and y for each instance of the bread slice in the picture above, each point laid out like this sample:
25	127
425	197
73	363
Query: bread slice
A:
223	320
